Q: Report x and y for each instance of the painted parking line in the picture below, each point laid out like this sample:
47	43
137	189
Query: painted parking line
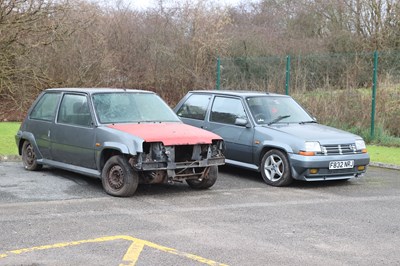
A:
129	259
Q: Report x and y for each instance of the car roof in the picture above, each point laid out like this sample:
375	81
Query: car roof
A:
240	93
96	90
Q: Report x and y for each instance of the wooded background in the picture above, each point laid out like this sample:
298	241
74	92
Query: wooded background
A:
173	47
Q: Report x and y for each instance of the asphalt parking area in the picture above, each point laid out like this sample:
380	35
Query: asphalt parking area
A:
135	249
56	217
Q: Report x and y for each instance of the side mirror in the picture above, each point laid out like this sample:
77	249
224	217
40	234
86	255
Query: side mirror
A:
241	122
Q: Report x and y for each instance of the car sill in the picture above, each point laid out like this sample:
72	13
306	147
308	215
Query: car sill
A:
243	165
72	168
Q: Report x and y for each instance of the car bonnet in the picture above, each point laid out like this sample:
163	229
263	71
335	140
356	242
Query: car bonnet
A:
315	132
168	133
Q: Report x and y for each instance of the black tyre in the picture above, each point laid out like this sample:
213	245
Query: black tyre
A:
118	177
29	157
208	180
275	169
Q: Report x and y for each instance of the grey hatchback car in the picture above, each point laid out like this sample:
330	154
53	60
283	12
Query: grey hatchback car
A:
273	134
125	137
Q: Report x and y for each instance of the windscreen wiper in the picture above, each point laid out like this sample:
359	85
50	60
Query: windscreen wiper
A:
307	122
279	118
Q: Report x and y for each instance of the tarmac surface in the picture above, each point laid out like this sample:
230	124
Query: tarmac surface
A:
54	217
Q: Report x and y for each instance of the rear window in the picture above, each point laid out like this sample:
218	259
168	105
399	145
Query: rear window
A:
195	107
45	109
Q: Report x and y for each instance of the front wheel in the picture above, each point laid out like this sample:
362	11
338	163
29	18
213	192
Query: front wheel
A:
29	157
207	181
275	169
118	177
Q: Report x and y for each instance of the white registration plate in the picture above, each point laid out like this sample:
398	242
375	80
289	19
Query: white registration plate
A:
341	164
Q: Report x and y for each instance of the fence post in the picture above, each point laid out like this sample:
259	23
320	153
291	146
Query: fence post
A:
287	74
218	83
374	85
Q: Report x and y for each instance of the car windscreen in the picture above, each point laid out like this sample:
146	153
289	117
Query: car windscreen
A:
131	107
276	109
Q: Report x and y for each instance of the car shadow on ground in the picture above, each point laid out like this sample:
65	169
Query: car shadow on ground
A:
321	184
237	175
241	173
253	176
95	185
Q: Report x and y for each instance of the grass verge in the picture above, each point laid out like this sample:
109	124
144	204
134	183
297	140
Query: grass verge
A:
381	154
7	138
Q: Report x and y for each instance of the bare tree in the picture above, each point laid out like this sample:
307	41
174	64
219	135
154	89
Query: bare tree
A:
25	25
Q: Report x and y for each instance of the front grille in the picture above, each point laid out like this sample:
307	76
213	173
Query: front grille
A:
338	149
183	153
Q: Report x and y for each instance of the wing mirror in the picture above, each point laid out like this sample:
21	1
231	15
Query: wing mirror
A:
241	122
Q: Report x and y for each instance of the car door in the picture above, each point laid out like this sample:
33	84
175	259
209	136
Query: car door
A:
223	120
73	134
41	120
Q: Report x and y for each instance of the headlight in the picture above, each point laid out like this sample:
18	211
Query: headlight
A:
312	146
360	144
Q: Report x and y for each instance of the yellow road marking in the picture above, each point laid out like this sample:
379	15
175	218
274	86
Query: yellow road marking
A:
183	254
131	256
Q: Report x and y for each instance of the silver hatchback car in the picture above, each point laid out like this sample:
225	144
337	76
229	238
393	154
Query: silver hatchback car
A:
274	135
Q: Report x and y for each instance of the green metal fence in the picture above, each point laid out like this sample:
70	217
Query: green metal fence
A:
307	73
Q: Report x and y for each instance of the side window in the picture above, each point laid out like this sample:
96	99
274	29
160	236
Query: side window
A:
45	109
195	107
227	110
74	110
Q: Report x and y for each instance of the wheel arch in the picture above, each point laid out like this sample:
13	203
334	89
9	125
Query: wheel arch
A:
106	154
267	147
27	136
110	149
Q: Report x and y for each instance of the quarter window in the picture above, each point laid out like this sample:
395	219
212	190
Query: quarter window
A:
195	107
74	110
45	109
227	110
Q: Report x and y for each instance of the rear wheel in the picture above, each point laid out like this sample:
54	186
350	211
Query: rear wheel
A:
207	181
275	168
29	157
118	177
